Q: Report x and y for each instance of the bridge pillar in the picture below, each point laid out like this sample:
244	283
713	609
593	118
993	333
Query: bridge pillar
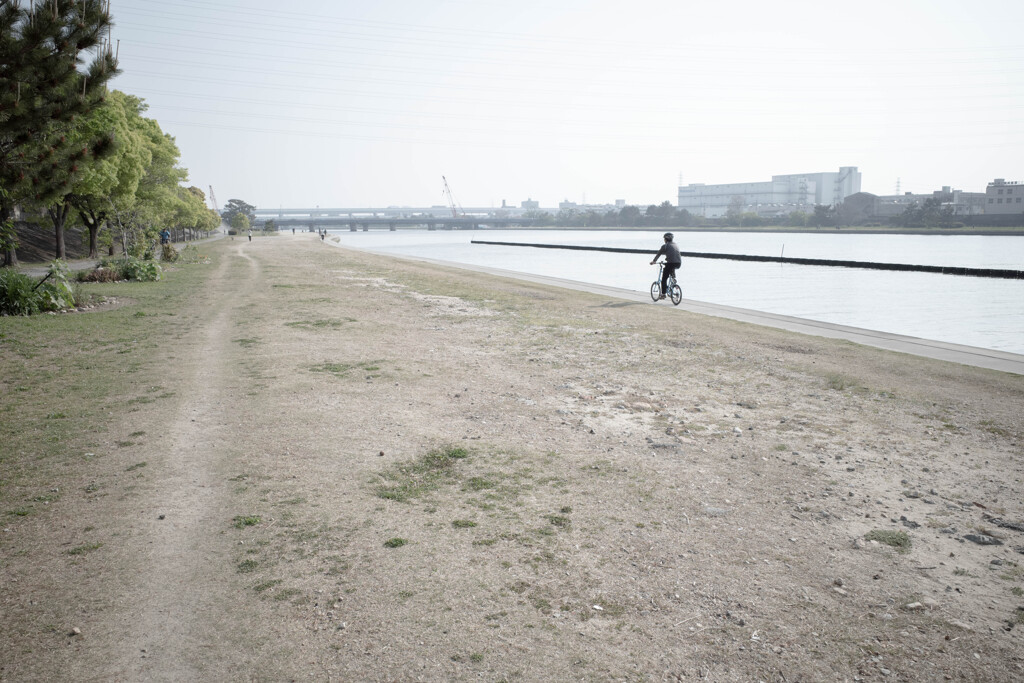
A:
366	227
392	226
351	227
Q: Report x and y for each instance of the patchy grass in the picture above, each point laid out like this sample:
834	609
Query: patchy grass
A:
463	524
240	521
416	478
395	542
84	549
328	324
343	369
897	539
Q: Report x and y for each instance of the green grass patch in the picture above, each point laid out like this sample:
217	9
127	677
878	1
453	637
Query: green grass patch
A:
247	342
328	324
395	542
136	466
414	479
240	521
246	566
267	585
84	549
463	524
897	539
343	369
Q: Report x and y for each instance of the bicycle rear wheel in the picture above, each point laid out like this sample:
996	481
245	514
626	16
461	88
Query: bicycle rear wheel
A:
655	290
677	295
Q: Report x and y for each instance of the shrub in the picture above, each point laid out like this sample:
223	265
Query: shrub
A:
22	295
100	274
131	268
55	293
169	253
16	295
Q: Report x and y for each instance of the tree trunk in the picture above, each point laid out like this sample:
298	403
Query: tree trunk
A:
7	212
92	222
59	216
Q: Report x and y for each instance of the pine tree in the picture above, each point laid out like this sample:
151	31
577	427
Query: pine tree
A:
45	86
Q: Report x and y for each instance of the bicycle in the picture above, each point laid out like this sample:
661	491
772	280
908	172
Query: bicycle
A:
675	292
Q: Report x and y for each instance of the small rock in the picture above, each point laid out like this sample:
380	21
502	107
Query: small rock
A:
982	539
161	516
839	591
599	608
914	607
381	454
76	631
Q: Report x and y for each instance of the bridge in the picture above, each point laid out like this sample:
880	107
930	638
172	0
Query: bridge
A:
392	218
354	223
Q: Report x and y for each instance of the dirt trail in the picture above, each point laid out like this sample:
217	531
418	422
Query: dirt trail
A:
377	470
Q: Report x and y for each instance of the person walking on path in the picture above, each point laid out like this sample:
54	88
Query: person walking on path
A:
250	234
672	261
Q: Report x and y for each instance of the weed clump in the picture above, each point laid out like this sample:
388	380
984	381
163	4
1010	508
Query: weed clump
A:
395	542
242	521
897	539
414	479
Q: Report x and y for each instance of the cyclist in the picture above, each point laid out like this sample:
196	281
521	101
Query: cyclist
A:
672	261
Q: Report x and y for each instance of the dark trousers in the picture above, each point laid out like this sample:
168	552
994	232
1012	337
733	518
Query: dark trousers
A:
670	270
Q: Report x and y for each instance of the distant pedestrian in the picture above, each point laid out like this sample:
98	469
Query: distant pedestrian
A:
293	231
250	234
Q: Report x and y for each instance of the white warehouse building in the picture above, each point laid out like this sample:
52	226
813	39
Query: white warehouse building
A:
780	195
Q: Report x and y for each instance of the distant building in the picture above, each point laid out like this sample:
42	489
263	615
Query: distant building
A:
1002	197
529	205
567	205
962	203
780	195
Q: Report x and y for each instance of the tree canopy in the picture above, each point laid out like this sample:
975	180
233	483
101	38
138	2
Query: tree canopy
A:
43	91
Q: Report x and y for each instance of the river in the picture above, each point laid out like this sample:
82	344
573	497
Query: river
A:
982	312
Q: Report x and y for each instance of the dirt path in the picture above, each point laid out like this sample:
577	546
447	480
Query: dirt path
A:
376	470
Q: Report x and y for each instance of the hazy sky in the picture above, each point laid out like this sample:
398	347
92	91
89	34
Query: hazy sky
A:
318	103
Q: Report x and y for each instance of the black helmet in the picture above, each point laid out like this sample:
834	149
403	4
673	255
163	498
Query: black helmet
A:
668	237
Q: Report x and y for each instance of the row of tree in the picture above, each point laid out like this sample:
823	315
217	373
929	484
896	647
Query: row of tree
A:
665	215
70	149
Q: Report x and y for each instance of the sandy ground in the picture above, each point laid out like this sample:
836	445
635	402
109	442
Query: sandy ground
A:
375	470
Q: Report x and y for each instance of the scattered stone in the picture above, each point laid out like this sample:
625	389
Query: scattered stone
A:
909	524
982	539
75	631
715	512
381	454
839	591
859	544
1016	526
914	607
161	516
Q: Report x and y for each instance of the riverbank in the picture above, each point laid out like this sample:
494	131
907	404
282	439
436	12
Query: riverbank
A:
302	462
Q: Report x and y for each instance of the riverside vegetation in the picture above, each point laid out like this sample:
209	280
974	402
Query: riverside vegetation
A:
290	461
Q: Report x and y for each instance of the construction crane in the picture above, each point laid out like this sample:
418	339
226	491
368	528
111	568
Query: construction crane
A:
213	200
451	200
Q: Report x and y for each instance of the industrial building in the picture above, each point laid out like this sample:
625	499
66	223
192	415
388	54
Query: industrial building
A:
1004	198
778	196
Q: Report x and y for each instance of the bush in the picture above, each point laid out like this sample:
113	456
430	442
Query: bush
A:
22	295
131	268
55	293
169	253
16	295
100	274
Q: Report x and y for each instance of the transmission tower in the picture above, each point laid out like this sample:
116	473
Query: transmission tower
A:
213	200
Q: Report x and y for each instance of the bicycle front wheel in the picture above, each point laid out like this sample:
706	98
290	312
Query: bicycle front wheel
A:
655	290
677	295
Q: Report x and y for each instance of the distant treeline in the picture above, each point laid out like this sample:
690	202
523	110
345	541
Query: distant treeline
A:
929	214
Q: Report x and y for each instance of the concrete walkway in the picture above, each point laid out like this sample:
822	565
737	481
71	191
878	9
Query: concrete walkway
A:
954	353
